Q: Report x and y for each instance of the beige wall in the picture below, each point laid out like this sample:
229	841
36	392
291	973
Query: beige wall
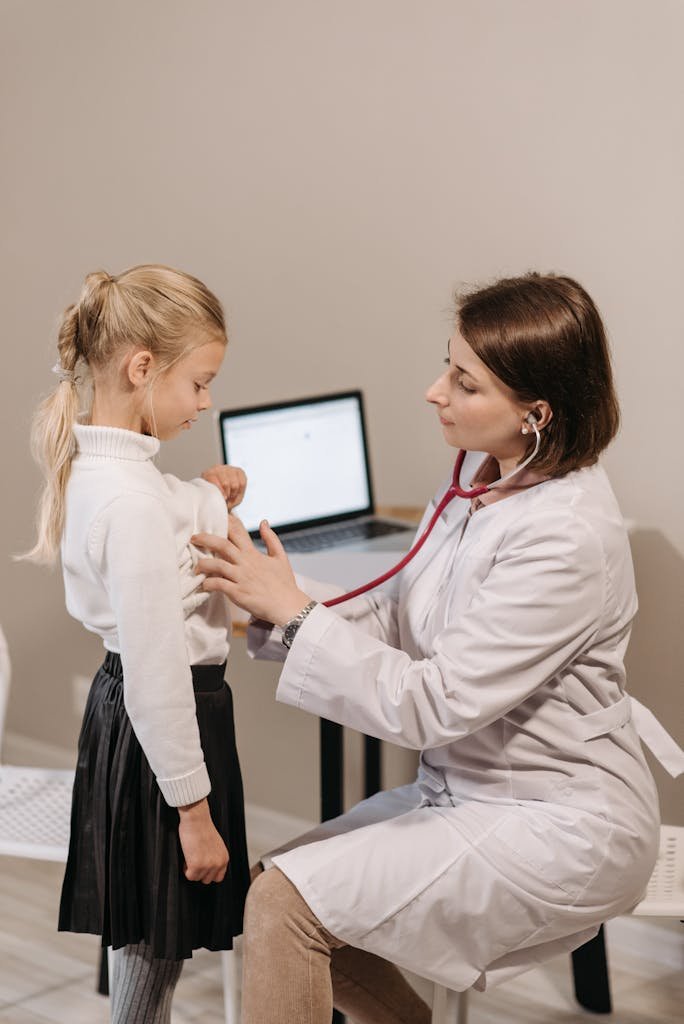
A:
332	170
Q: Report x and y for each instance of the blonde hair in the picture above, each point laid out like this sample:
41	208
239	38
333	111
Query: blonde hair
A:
150	306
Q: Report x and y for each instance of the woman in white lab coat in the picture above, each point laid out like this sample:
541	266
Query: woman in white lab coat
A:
499	656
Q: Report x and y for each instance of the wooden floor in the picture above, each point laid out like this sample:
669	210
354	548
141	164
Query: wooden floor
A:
46	977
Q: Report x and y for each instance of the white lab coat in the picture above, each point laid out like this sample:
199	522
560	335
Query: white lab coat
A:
534	816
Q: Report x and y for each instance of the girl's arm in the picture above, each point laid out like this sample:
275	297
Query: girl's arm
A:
133	546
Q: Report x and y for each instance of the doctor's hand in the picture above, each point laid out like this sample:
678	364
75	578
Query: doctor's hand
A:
263	584
230	480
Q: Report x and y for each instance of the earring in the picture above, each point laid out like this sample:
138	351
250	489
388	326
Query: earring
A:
525	430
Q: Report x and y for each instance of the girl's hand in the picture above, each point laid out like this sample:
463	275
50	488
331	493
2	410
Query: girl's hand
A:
205	853
262	584
230	480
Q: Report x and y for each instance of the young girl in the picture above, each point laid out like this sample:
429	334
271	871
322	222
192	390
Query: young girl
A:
157	861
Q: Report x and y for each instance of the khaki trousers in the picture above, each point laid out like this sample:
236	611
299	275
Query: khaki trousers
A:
295	971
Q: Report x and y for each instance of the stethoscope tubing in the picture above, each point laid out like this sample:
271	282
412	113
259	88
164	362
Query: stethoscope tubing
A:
454	490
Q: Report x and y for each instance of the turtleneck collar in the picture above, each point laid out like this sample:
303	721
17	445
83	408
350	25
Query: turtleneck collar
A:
114	443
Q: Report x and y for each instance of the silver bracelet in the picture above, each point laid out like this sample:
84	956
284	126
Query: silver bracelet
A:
290	628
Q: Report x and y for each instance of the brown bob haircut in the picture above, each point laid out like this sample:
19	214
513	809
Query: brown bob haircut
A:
542	335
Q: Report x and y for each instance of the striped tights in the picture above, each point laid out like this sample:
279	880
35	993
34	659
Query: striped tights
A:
142	986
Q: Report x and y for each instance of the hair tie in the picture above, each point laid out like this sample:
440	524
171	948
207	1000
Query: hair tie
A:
68	376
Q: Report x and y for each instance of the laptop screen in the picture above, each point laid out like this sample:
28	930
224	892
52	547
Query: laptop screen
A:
306	461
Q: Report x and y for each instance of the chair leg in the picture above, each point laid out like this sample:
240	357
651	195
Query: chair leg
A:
110	974
439	994
590	974
449	1007
103	974
230	973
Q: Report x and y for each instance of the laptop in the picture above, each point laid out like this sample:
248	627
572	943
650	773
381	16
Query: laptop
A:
308	473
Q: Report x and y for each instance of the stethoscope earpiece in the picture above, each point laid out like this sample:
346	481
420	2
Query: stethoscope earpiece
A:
530	421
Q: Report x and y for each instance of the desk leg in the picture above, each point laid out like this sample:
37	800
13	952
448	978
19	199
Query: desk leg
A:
332	769
590	973
372	771
332	784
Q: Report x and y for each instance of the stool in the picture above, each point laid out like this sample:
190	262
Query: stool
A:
664	897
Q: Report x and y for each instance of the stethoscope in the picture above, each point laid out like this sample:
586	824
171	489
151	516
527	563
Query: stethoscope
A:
454	490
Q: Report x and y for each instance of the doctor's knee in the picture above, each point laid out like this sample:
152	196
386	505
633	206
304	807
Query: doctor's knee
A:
271	899
276	912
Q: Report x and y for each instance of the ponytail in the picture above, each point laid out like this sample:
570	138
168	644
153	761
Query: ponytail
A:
53	444
151	306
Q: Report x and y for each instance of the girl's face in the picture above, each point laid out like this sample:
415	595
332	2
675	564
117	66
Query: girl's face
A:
477	411
180	394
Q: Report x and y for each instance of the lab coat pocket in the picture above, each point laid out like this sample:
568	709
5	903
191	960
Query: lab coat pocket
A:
553	854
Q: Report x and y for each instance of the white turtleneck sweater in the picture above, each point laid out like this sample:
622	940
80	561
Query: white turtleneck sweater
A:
129	577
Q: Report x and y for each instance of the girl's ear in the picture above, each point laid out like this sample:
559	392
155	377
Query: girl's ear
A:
139	368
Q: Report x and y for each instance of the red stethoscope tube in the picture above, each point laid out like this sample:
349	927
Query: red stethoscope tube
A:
454	490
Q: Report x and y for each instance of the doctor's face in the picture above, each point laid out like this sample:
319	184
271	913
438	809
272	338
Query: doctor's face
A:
477	411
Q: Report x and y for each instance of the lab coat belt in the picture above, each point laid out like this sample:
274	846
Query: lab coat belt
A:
605	720
651	732
433	788
658	740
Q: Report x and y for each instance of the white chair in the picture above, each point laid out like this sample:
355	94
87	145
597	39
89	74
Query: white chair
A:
35	803
664	897
35	815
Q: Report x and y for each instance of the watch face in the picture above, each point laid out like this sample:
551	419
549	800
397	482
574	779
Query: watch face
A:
290	630
289	633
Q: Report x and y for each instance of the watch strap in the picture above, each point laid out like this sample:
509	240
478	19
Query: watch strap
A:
290	628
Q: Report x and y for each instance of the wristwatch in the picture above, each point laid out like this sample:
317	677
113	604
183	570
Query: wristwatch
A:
290	628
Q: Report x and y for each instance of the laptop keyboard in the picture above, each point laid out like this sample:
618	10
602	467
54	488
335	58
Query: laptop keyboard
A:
329	537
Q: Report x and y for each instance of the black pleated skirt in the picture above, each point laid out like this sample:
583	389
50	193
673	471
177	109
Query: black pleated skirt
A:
124	875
